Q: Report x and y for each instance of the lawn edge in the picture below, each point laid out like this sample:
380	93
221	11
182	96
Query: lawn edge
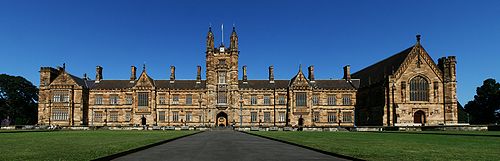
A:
123	153
306	147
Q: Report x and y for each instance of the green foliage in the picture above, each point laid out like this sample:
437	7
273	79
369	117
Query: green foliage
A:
485	108
385	146
18	100
77	145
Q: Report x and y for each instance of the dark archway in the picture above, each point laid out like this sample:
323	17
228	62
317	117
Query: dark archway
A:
301	123
221	119
143	120
419	117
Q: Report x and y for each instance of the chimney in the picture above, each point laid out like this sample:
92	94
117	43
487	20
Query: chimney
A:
172	74
244	74
271	74
311	73
133	74
198	74
98	75
347	72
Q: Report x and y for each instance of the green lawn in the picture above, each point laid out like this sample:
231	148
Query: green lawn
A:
397	145
76	145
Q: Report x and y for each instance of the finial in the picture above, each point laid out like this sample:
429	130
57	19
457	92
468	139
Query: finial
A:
144	67
64	66
222	29
300	67
418	38
209	27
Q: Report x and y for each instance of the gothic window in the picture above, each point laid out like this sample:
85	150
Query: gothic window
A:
221	97
143	99
253	116
128	115
316	117
161	116
222	77
267	116
300	99
113	99
175	116
347	117
175	99
331	100
332	117
113	116
253	100
346	99
189	116
419	89
59	114
267	100
98	99
281	99
98	116
315	99
189	99
60	96
162	99
128	99
281	117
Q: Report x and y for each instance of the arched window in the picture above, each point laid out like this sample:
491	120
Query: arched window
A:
419	89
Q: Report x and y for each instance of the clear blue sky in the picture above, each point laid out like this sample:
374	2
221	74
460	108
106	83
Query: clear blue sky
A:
327	34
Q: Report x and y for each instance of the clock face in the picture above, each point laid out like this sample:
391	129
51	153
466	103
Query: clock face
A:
221	49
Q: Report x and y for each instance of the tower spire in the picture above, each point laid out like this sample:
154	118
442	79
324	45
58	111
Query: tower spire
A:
233	45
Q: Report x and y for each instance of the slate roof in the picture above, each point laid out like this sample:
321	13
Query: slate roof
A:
191	84
377	72
78	80
322	84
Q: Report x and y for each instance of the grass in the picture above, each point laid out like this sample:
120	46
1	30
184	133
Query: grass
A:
398	145
76	145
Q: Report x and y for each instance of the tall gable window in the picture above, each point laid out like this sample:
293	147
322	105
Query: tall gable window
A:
300	99
143	99
419	89
60	96
221	97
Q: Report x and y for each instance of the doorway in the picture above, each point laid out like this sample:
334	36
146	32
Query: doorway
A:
221	120
419	117
143	120
301	123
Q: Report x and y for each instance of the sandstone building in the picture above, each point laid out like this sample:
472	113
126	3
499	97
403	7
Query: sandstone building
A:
394	91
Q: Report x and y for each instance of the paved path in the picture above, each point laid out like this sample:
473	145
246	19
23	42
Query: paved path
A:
221	145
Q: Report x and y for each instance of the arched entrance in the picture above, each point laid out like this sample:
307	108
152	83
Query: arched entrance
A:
221	120
143	120
301	123
419	117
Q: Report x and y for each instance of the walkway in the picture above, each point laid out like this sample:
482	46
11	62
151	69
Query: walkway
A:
220	145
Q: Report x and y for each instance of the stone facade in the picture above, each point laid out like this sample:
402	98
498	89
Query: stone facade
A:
405	89
222	99
408	89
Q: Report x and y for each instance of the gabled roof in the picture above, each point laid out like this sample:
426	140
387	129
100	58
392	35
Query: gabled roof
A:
78	81
377	72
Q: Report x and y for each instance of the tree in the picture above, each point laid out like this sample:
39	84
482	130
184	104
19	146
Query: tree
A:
485	108
18	100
